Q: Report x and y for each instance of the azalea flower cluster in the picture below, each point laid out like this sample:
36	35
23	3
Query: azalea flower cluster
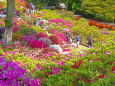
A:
38	44
56	39
13	75
29	38
62	36
41	35
64	22
22	3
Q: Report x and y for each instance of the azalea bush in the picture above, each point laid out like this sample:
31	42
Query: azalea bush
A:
41	34
38	29
56	39
14	74
37	44
62	36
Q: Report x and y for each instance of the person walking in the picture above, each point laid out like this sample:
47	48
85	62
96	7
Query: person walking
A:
4	11
77	39
38	22
68	36
1	32
90	43
18	14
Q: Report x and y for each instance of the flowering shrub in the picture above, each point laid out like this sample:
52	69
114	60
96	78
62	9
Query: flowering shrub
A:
62	36
38	44
56	39
11	74
29	38
62	21
46	40
41	34
48	49
54	31
15	28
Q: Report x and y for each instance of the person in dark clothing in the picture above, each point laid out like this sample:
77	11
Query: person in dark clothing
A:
1	32
90	43
68	36
78	40
4	10
18	14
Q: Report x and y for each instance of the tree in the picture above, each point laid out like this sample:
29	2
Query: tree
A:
7	38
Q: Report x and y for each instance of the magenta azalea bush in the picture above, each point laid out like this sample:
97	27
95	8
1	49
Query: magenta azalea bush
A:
54	31
62	36
56	39
41	35
38	44
29	38
62	21
13	75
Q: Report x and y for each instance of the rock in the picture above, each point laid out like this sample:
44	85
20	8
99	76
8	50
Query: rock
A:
57	47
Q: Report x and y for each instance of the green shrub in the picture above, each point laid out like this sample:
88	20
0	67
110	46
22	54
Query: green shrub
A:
38	29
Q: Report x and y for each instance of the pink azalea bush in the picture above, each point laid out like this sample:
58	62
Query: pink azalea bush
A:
15	28
38	44
41	35
56	39
60	20
54	31
62	36
69	24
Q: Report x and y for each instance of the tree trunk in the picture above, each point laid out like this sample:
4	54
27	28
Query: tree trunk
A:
7	38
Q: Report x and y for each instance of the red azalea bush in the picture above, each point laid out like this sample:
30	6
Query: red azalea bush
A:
101	76
77	64
56	39
48	49
62	36
38	44
41	35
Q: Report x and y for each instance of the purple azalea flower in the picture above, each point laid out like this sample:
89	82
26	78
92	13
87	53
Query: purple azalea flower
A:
56	70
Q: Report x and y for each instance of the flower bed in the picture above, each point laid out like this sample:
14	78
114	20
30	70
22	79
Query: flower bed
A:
13	75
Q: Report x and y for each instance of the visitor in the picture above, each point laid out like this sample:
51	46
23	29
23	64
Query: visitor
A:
68	36
4	11
38	22
77	39
24	10
18	14
90	43
1	32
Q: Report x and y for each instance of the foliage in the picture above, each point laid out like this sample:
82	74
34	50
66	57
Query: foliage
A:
101	9
38	29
